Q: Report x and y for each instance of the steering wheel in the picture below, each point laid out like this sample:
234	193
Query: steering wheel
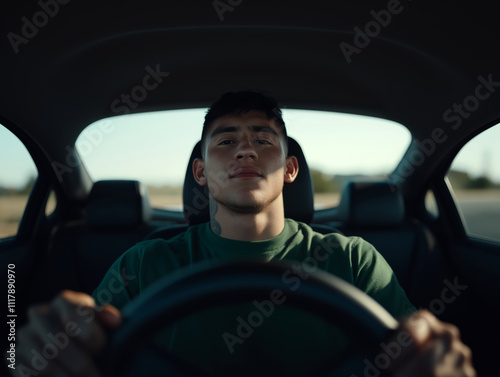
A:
209	284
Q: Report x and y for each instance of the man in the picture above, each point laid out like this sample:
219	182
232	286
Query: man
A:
245	165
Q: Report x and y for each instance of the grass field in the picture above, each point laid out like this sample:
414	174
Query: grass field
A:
12	207
11	210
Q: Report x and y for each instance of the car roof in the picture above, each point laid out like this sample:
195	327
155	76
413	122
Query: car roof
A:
422	58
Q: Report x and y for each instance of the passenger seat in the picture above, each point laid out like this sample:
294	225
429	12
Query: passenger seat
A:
117	216
375	211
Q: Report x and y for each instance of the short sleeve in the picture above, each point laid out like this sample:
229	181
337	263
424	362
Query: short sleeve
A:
121	283
373	275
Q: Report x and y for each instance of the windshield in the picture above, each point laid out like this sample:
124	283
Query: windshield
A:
155	148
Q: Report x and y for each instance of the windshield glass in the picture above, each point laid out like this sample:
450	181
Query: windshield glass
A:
155	148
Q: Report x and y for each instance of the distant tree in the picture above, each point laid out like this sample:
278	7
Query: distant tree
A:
25	190
480	183
28	186
458	179
323	182
164	190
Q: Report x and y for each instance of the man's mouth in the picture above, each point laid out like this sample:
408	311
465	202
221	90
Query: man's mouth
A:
246	172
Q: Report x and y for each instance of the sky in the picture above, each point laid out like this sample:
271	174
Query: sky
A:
155	147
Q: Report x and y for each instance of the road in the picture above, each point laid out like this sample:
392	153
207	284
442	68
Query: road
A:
481	213
482	218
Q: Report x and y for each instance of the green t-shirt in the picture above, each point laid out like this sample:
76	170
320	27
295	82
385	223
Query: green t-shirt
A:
299	339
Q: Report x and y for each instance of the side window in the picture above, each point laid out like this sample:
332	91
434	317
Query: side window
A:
475	178
17	175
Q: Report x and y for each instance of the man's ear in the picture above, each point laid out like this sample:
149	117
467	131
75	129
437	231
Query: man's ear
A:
199	171
292	169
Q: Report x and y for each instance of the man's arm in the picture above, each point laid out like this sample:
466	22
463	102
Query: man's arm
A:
63	337
428	346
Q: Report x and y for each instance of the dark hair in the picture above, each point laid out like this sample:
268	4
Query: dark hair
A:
235	103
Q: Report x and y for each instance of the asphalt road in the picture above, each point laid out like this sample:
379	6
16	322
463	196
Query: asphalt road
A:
482	216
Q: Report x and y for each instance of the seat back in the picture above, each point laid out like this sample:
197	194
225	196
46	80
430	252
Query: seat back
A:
117	204
371	203
375	211
117	216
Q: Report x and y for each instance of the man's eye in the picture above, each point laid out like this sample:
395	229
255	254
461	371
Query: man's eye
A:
263	141
225	142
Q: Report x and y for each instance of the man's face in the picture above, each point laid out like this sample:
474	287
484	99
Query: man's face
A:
245	162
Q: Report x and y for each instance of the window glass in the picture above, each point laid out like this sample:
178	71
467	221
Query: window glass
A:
17	176
155	148
475	178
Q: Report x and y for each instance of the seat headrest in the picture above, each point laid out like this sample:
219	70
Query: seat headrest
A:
118	203
298	196
371	203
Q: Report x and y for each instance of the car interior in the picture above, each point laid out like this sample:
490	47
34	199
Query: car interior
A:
432	67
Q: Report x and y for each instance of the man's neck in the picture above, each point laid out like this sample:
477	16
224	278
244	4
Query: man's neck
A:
247	226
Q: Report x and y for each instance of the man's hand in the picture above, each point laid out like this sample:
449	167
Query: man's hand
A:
436	349
63	338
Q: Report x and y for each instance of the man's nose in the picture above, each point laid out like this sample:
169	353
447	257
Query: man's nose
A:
246	150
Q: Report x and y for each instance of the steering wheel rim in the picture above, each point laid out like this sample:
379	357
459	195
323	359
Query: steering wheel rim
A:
208	284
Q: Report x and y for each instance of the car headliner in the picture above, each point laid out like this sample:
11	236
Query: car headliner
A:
428	57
